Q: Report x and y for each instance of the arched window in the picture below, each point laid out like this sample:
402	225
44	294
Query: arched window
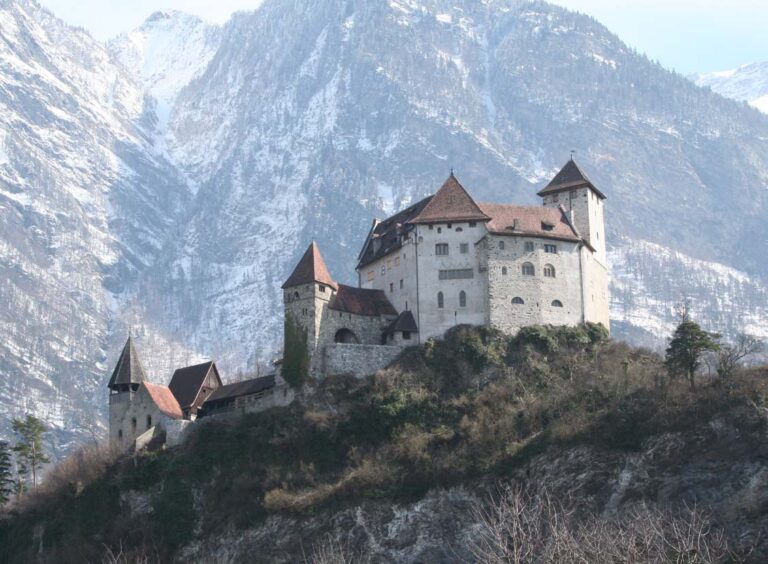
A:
149	421
440	302
504	270
549	271
518	301
528	269
345	336
501	245
557	303
462	299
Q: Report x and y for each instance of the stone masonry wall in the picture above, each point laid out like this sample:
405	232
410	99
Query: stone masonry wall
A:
360	360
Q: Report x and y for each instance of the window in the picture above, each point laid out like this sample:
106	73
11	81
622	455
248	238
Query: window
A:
501	245
462	299
133	424
391	287
555	197
472	223
518	301
119	434
504	270
459	230
529	246
370	277
431	227
528	269
406	335
439	229
322	288
440	302
449	225
557	303
464	248
597	235
546	226
295	294
401	283
457	274
550	249
441	249
573	194
149	421
549	271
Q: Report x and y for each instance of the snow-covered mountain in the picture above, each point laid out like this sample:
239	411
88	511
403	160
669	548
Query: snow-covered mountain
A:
171	179
748	83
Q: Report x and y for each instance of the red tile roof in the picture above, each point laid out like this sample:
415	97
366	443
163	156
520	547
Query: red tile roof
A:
530	221
311	268
164	400
450	203
361	301
570	176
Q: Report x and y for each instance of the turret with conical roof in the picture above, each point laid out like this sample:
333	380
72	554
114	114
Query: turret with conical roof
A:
573	191
128	372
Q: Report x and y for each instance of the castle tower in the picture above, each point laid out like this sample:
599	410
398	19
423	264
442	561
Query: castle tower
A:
306	296
125	381
573	190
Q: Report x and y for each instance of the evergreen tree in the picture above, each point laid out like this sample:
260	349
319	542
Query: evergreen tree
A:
687	347
6	473
30	455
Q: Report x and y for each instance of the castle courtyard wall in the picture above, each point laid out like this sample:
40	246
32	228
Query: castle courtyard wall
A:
358	360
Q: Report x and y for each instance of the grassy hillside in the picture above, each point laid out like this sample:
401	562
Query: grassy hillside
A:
473	409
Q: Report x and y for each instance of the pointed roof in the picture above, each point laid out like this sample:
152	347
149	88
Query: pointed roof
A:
128	369
164	400
186	382
451	203
404	322
570	176
311	268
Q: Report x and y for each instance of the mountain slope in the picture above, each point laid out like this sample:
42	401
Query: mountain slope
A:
85	204
748	83
352	110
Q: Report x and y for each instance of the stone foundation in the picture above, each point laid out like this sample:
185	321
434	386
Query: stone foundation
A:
359	360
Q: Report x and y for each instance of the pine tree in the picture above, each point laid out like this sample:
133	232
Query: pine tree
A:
6	473
295	369
30	455
687	347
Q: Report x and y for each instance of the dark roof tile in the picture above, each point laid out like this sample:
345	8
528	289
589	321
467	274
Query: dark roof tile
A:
244	388
186	382
450	203
570	176
361	301
128	369
404	322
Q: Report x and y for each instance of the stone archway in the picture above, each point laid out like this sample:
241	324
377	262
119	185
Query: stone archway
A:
346	336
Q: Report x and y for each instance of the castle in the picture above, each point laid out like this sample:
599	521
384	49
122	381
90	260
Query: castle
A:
444	261
448	260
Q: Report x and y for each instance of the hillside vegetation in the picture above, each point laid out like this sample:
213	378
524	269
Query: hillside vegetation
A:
470	411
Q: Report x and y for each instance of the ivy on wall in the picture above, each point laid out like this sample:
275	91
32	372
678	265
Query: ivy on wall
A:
296	353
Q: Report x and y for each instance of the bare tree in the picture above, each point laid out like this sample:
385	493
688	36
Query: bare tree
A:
730	356
522	527
333	551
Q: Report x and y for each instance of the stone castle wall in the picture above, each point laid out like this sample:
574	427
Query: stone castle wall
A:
359	360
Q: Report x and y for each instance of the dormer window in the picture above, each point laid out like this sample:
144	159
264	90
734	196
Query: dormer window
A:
546	226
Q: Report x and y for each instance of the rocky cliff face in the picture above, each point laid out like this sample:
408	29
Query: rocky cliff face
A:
170	180
748	83
708	468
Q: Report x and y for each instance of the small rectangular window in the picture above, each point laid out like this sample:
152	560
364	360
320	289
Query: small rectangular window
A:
472	223
406	335
456	274
441	249
322	288
529	246
401	283
464	248
550	249
547	226
391	286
